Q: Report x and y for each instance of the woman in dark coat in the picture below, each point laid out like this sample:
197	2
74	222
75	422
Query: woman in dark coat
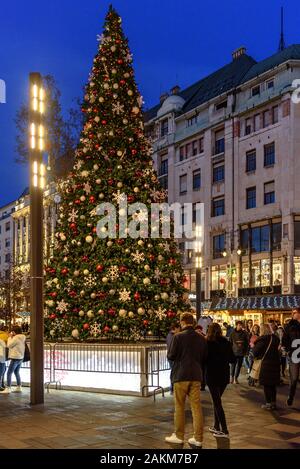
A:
270	368
220	355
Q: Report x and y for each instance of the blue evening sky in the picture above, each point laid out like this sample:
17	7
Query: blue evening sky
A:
173	41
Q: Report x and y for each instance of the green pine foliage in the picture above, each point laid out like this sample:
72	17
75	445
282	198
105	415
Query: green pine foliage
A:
120	288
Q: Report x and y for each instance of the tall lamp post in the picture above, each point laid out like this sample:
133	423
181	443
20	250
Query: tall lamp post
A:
198	266
37	185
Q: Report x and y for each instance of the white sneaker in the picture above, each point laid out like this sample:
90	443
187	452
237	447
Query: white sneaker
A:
18	389
173	439
6	391
194	442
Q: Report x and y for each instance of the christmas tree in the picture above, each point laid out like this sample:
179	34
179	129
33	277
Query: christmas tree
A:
122	287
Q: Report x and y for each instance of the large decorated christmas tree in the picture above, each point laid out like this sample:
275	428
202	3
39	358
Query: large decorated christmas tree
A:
119	287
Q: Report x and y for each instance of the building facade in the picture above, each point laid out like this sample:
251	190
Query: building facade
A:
6	239
232	141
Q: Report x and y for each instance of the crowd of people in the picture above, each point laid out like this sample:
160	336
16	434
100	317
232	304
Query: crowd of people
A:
12	349
214	358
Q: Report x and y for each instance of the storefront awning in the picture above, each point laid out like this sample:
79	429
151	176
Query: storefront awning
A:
23	314
279	302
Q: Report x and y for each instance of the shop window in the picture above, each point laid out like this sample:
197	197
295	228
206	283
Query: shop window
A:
256	273
297	234
245	275
277	272
297	270
276	236
218	277
265	272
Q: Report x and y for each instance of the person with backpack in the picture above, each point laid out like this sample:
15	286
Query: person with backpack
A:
16	351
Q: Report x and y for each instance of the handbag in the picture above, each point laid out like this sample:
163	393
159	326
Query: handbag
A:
26	354
256	367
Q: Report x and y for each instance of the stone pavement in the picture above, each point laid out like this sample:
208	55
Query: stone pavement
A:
87	420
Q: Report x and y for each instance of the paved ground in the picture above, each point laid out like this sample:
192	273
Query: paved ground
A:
87	420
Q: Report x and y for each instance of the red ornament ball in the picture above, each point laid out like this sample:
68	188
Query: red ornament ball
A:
92	199
133	151
123	268
106	329
145	322
110	182
100	268
53	316
85	258
137	296
111	311
103	122
86	326
73	226
64	271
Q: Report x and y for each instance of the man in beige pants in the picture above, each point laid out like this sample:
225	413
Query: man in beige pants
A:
188	351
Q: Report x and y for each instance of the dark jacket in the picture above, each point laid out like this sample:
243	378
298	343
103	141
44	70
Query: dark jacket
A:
240	342
219	356
291	332
169	339
270	367
188	351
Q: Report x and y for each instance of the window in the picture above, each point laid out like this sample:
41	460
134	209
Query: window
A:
274	114
276	236
255	90
183	184
269	193
285	230
270	84
248	126
164	128
219	142
260	238
250	161
195	147
222	105
297	234
218	277
7	257
191	121
277	272
7	243
7	226
269	154
164	182
189	150
218	172
251	197
218	245
195	212
182	155
256	122
201	145
196	179
266	118
297	270
163	168
218	207
245	275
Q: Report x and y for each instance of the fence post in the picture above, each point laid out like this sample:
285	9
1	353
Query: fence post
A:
144	370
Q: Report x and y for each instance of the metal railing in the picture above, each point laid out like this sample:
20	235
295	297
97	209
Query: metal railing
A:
146	360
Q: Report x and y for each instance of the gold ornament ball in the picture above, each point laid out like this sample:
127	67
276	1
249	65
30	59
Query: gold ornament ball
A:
140	242
126	75
84	173
164	296
160	257
109	243
114	71
146	281
147	267
89	239
125	121
135	110
90	314
73	241
120	184
81	313
98	181
131	314
76	273
101	196
119	166
112	292
86	272
95	167
115	328
130	92
82	217
93	296
113	48
82	198
101	312
78	243
106	86
115	86
136	190
149	333
101	99
122	212
111	133
119	153
157	297
122	313
141	311
75	333
104	279
127	250
97	119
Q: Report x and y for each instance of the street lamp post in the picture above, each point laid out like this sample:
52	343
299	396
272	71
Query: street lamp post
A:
37	184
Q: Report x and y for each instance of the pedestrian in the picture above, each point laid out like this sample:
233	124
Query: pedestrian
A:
283	354
228	329
240	344
3	333
290	342
2	363
204	322
16	350
254	335
219	357
266	348
175	328
188	351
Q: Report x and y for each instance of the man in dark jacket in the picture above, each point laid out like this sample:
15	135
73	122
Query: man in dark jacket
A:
289	342
188	351
175	328
240	342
